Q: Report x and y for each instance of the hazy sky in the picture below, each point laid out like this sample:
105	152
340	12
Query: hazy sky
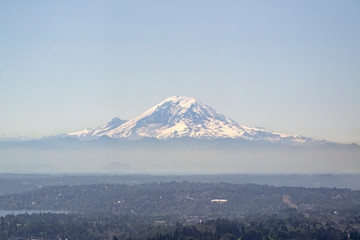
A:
288	66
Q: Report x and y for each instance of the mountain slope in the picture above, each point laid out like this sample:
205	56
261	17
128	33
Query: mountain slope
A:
177	117
97	132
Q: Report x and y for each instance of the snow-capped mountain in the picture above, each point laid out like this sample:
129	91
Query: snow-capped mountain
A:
177	117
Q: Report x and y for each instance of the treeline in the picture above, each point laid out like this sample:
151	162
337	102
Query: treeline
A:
17	183
115	227
71	226
262	228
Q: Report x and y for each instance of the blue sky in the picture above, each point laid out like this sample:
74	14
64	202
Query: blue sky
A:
288	66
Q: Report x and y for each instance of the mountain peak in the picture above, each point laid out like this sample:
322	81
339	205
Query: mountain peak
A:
116	122
181	100
176	102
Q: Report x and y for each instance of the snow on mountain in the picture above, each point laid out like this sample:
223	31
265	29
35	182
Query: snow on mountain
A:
92	133
177	117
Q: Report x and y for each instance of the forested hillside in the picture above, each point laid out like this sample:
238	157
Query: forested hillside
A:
183	199
183	210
